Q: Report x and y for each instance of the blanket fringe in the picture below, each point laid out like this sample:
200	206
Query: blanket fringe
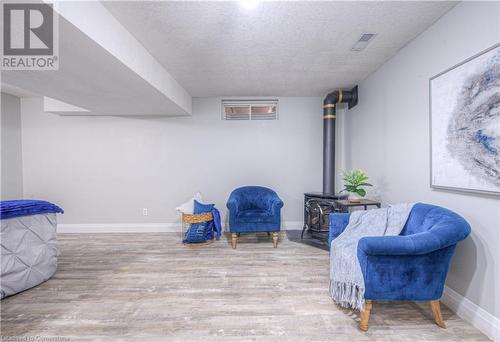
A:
347	295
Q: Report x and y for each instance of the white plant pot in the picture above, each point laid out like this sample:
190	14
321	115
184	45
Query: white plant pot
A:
354	197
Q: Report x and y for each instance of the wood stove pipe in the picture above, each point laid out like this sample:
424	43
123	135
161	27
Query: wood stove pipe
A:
330	104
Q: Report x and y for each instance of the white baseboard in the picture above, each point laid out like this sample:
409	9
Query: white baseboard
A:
119	228
292	225
140	227
473	314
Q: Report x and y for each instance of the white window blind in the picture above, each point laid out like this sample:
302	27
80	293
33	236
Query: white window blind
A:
250	109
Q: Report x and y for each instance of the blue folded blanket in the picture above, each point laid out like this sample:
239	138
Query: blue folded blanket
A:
217	222
11	209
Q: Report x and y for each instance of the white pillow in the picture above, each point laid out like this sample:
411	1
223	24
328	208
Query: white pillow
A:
188	207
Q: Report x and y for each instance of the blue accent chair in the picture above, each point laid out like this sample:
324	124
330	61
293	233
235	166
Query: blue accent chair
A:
254	209
411	266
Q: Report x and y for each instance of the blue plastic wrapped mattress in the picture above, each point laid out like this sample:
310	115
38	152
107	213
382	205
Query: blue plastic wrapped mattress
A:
29	244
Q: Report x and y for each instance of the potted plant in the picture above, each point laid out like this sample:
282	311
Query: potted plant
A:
354	181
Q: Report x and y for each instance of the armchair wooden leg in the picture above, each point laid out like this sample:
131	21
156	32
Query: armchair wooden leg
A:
365	316
234	240
275	239
436	311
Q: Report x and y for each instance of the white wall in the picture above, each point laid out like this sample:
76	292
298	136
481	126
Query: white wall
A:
389	138
12	173
106	169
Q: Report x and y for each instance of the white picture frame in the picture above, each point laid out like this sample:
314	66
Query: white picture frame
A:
464	117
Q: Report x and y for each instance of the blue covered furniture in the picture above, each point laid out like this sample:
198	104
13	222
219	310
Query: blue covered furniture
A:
411	266
254	209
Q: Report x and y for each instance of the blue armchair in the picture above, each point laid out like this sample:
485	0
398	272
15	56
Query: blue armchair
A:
411	266
254	209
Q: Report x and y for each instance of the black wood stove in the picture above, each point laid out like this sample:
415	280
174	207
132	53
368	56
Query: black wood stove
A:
317	208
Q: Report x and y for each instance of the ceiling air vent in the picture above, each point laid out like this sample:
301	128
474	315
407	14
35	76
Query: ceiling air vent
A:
363	41
250	109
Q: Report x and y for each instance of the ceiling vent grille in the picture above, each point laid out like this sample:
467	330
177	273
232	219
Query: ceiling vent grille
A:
250	109
363	41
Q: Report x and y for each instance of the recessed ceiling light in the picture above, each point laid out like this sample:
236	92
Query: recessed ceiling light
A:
362	42
249	4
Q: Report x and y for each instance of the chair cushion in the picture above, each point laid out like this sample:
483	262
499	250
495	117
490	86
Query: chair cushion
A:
251	227
255	216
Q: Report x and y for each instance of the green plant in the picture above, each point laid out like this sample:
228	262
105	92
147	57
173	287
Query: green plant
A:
354	181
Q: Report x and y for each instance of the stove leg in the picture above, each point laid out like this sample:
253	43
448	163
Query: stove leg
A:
303	231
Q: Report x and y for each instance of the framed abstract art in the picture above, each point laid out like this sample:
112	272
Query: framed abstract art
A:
465	125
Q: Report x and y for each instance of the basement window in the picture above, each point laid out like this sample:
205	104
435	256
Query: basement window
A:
249	109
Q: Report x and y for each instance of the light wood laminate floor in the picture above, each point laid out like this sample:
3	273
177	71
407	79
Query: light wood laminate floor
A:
148	287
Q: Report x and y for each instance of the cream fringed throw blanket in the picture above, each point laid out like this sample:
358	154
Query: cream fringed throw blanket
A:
347	287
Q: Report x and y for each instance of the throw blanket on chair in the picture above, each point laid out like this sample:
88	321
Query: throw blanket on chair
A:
347	287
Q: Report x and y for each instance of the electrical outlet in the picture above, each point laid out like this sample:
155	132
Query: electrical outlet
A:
144	211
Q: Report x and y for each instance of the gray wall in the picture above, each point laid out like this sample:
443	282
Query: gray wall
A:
12	165
389	138
106	169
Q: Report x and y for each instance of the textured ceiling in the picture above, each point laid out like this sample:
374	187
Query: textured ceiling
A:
91	78
275	49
